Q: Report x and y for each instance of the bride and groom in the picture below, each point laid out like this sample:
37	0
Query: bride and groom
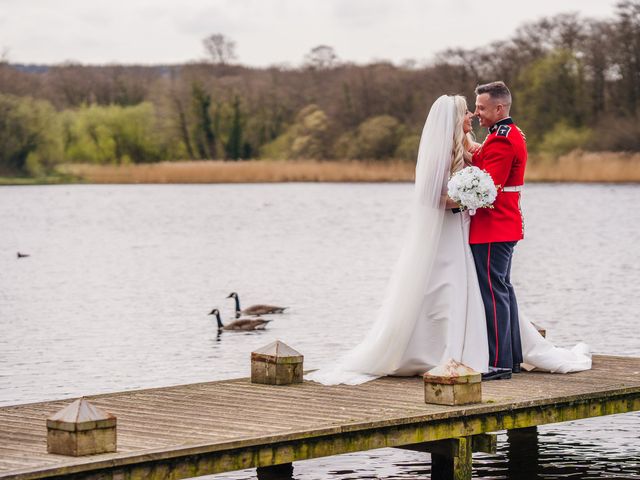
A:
450	294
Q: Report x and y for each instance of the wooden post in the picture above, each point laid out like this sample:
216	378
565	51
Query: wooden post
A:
276	364
485	443
452	460
81	429
523	454
283	471
452	384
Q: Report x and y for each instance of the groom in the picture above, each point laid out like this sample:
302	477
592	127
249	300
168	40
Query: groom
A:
495	232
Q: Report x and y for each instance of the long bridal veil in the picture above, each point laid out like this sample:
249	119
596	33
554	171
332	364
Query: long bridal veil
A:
407	300
383	346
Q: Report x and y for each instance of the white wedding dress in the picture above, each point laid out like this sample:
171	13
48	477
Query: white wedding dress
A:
452	320
433	310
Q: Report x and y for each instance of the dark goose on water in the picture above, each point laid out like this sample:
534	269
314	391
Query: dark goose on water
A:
245	324
260	309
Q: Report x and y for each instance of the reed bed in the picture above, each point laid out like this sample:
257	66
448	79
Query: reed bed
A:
588	167
574	167
253	171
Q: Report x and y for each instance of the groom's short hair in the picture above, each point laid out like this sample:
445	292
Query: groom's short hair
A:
496	90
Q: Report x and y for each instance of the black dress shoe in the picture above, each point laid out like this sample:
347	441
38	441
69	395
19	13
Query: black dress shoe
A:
516	368
497	374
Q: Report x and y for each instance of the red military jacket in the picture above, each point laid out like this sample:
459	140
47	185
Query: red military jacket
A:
504	155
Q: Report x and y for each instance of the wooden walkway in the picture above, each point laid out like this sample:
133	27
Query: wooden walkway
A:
190	430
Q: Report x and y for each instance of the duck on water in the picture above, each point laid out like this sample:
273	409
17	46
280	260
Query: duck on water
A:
254	309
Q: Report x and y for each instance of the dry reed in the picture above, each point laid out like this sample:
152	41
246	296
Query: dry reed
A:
581	166
574	167
253	171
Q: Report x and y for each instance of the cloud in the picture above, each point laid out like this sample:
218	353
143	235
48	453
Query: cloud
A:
363	13
266	31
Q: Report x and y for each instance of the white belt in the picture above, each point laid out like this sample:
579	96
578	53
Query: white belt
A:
514	188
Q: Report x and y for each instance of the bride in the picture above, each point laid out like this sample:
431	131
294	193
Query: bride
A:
433	310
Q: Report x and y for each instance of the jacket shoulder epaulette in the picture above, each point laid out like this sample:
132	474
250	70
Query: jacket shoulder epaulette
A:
503	130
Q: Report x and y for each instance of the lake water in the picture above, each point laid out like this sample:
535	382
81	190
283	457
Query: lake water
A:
120	278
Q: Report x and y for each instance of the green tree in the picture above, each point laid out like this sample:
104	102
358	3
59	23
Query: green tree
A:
205	136
113	134
30	135
376	138
626	55
234	144
407	149
306	138
564	138
549	91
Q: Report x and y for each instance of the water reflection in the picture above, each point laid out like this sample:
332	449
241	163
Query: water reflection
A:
523	453
276	472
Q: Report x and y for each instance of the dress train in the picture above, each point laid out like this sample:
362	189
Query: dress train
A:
451	324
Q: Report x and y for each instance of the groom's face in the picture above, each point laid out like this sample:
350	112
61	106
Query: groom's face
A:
488	110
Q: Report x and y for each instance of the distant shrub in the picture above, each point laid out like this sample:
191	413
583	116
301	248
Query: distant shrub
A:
306	138
407	149
376	138
112	134
346	146
617	134
563	139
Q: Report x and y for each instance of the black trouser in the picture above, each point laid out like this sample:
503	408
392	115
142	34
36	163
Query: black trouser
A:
493	265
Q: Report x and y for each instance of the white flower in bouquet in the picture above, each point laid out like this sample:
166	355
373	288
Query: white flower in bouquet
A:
472	188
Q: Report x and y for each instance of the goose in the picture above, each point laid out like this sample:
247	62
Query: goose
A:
254	309
22	255
242	324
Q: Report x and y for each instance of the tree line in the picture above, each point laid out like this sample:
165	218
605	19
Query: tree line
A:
576	84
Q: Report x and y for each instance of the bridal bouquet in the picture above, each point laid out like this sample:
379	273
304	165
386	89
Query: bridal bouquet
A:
472	188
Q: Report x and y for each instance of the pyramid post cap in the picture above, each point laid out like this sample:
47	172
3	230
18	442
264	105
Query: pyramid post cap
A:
277	352
452	372
80	415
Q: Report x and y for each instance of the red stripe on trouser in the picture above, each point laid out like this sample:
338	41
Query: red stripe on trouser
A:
493	299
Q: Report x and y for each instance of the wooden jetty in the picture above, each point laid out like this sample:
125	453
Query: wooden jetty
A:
206	428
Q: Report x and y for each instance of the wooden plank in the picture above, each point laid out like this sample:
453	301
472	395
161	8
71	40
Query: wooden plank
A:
200	462
226	425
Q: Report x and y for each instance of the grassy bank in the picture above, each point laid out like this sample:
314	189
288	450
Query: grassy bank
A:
574	167
53	179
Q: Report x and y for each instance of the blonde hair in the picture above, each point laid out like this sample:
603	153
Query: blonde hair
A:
461	141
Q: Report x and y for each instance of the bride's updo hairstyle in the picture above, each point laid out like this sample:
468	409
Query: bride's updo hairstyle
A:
461	141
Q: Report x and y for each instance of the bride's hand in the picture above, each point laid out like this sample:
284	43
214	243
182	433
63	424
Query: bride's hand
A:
448	203
474	147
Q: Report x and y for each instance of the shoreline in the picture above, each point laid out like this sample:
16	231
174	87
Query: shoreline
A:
575	167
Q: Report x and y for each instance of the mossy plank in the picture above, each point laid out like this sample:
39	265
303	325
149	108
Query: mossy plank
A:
191	464
188	430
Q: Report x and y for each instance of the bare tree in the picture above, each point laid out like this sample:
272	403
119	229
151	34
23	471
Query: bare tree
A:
321	57
220	48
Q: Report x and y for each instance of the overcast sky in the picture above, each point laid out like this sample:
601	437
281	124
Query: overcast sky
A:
266	32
